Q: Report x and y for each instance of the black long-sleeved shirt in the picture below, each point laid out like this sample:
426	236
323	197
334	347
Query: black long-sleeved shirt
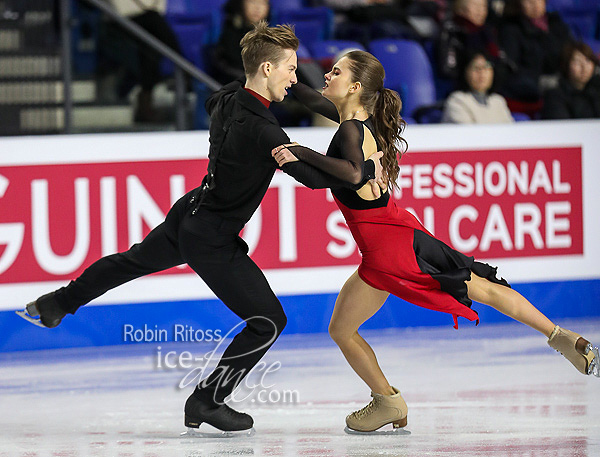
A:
566	102
532	52
244	165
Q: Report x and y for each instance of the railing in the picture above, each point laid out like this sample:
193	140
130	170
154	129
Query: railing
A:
181	64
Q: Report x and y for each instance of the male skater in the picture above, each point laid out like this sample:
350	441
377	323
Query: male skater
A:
202	228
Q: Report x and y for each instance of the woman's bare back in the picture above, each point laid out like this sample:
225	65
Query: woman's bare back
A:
369	147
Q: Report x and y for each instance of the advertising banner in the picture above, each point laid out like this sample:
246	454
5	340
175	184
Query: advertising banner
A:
527	202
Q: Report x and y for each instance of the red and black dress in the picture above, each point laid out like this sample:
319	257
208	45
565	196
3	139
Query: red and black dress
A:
398	254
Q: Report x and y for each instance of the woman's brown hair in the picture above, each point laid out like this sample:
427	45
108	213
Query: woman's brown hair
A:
568	52
384	105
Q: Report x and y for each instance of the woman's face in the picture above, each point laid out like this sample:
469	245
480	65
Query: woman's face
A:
338	81
581	69
480	75
533	9
256	10
475	11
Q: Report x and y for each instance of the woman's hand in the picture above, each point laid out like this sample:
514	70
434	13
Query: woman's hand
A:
283	155
378	183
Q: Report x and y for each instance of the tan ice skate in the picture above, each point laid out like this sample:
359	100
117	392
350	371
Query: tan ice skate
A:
382	410
576	350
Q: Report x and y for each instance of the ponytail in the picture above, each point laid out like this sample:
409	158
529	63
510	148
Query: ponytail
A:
389	126
384	105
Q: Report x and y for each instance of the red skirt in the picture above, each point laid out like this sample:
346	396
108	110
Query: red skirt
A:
401	257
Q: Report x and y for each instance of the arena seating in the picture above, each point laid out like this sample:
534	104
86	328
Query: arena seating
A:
408	71
324	52
311	24
197	23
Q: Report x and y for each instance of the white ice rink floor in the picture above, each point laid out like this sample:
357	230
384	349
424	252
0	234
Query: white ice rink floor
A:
494	390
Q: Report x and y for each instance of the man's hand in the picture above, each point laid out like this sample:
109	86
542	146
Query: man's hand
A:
377	184
283	155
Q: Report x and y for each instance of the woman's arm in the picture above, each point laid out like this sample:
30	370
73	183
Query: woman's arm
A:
316	179
312	177
314	101
352	167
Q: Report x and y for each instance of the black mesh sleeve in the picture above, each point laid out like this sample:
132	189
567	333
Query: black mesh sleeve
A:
314	101
312	177
352	167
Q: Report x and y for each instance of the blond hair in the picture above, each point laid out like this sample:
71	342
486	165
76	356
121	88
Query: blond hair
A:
266	44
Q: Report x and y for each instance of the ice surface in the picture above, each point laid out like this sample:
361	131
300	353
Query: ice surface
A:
494	390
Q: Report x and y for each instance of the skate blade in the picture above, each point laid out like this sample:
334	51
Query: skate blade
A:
194	433
594	365
29	318
379	431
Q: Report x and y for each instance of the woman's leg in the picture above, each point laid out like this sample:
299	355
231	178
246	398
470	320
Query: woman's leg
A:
356	303
573	346
509	302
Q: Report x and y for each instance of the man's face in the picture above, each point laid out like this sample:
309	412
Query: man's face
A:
282	76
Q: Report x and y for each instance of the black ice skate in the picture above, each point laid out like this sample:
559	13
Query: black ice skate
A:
228	421
43	312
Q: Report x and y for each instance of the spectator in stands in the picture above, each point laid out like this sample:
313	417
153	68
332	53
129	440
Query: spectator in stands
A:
148	14
240	18
464	32
366	20
476	103
533	40
436	9
578	93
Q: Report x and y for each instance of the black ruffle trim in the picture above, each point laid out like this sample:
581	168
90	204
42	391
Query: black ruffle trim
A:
450	267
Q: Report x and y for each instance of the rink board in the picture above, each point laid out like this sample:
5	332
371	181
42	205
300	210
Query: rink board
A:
208	320
522	197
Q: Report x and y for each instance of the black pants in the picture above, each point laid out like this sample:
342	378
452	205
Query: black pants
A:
211	246
155	24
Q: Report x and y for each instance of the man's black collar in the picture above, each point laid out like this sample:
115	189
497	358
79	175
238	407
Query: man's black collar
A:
250	102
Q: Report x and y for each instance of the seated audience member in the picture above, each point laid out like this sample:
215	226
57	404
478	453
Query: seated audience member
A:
476	103
496	9
465	31
366	20
578	93
436	9
148	14
240	18
533	40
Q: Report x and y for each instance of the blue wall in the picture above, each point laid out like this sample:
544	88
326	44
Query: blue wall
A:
104	325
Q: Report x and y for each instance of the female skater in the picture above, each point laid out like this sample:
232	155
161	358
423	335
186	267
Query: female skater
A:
399	255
